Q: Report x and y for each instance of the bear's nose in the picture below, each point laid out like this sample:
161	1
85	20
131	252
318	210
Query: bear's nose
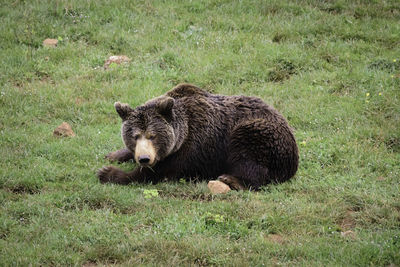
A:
143	159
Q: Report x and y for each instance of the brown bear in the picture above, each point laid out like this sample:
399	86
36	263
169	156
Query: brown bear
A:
189	132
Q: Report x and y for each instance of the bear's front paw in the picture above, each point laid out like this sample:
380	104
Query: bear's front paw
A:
111	174
104	174
122	155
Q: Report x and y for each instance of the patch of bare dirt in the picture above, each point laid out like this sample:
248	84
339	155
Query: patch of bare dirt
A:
349	234
275	238
348	222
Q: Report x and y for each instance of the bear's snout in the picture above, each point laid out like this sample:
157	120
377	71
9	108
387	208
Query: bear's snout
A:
144	159
145	152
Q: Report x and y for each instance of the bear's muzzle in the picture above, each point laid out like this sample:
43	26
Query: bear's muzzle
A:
145	153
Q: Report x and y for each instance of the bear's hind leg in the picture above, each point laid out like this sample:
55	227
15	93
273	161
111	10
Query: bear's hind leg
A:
122	155
250	152
233	182
249	174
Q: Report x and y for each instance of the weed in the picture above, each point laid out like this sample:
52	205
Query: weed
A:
283	69
150	193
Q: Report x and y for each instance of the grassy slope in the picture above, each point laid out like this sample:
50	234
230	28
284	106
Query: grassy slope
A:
331	67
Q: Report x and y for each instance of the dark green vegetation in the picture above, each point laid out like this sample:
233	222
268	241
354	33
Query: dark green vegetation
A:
331	67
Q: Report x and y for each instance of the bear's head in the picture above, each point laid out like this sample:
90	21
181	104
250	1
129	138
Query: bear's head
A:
147	130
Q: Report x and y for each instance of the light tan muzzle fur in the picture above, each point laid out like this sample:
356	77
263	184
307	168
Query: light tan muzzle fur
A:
145	150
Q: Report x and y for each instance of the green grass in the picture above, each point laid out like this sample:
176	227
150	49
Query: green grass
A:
331	67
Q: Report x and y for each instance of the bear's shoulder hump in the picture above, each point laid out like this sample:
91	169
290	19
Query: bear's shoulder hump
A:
186	90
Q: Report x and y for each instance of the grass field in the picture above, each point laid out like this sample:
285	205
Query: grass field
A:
331	67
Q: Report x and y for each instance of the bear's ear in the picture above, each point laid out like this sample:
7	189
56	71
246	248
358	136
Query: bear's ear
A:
164	107
123	110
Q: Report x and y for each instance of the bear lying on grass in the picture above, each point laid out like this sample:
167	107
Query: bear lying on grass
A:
189	132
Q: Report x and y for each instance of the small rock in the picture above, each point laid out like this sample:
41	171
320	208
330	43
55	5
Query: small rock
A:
50	42
218	187
116	60
348	233
64	130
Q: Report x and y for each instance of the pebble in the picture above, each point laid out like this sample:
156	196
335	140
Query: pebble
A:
116	60
217	187
50	42
64	130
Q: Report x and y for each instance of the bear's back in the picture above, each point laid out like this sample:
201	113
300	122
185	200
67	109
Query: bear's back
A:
186	90
204	106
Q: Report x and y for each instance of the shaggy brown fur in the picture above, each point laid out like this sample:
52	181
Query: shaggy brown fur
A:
239	139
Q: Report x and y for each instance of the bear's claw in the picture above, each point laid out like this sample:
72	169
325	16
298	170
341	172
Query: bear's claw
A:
110	156
104	174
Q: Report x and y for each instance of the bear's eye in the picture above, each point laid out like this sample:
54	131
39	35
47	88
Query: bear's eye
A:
136	136
151	136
